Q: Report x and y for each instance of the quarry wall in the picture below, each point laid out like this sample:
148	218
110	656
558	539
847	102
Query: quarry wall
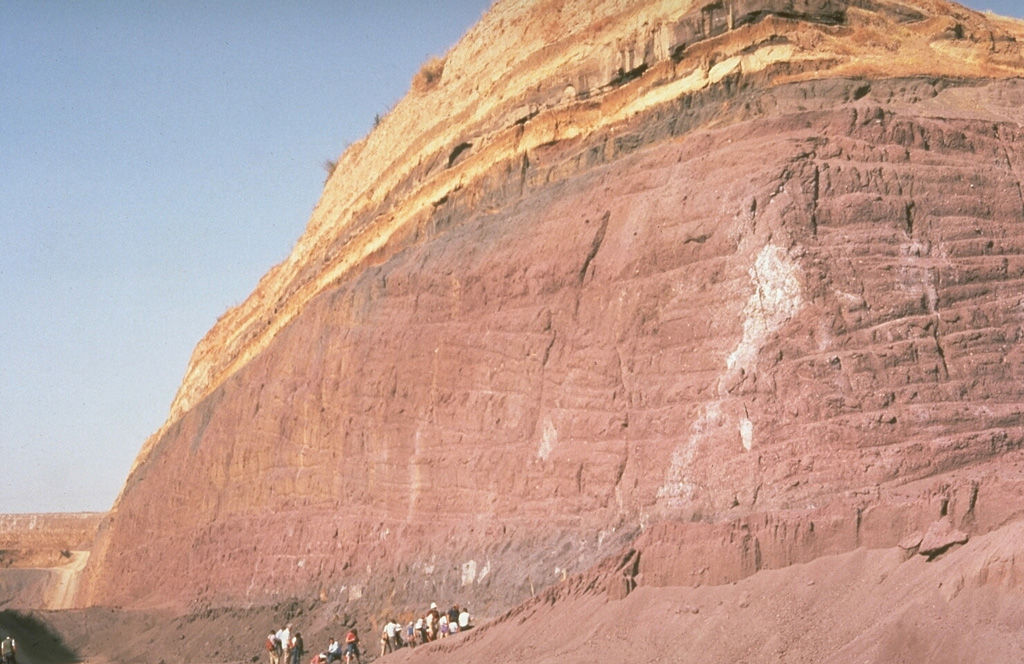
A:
664	275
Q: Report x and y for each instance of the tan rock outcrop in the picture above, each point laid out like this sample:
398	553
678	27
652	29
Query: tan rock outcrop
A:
42	557
37	532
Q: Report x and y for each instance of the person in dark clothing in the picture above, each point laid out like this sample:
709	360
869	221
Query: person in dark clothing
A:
297	648
8	650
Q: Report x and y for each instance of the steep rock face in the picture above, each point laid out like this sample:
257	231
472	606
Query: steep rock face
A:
536	72
744	298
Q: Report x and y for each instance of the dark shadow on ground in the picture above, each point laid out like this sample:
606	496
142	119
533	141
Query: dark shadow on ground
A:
36	642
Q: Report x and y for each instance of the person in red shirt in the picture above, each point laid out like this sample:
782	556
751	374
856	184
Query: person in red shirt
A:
352	646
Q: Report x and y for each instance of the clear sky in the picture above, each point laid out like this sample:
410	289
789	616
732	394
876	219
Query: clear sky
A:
1014	8
156	159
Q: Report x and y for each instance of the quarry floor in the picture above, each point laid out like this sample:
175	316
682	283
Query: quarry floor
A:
966	605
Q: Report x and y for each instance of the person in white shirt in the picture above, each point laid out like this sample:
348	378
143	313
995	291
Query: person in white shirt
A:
285	636
333	652
421	631
392	629
273	648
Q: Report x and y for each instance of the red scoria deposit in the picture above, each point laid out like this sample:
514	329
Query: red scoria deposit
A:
693	329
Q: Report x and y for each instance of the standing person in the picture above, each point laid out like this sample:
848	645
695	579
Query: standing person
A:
8	650
442	626
297	648
453	619
393	630
464	619
431	622
273	648
285	636
421	631
352	646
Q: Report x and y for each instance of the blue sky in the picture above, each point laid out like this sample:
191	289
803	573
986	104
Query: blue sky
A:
1014	8
156	159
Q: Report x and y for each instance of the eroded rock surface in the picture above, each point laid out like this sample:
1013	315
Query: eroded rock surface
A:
940	536
748	296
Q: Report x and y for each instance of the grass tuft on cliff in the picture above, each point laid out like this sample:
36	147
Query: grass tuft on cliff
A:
429	74
329	167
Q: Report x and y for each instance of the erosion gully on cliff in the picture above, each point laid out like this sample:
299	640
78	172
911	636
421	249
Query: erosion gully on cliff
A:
629	297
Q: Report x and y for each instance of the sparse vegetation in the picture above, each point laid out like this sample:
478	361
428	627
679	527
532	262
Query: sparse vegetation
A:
429	74
329	166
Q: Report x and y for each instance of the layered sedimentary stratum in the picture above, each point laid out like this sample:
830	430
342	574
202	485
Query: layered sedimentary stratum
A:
724	286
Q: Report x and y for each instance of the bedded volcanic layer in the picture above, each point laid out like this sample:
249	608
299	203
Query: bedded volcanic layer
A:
698	289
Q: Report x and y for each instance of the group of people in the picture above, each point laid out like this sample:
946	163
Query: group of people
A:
283	647
434	624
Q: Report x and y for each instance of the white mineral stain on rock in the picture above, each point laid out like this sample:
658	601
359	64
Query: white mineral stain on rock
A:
678	488
776	298
468	572
548	440
747	432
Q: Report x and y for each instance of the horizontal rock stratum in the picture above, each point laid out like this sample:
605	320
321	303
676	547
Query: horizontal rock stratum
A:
711	288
